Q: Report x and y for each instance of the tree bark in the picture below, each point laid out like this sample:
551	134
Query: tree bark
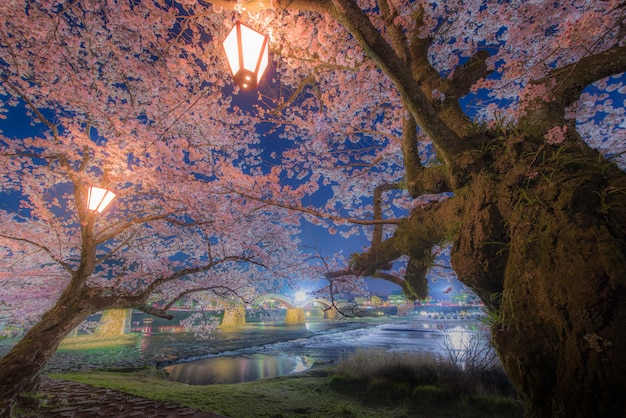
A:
21	367
562	338
554	245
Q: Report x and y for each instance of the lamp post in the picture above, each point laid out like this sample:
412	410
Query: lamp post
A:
98	198
247	52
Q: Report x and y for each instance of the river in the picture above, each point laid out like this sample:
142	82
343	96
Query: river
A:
257	350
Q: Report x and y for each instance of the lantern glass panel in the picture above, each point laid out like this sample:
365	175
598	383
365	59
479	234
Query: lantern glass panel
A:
231	48
265	57
251	45
98	198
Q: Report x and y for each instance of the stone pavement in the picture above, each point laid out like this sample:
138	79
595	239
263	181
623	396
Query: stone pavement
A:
71	399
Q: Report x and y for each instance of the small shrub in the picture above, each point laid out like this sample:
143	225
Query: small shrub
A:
429	395
385	390
346	411
392	376
494	405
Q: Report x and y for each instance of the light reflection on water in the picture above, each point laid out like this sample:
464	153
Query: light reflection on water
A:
237	369
286	357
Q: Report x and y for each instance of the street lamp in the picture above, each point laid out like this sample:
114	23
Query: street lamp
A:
98	198
247	52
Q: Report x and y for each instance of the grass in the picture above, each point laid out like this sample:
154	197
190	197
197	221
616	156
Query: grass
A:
88	342
388	385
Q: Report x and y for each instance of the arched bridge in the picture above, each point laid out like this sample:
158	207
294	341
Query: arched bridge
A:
289	302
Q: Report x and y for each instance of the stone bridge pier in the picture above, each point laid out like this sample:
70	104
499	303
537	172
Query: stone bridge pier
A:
294	316
330	313
114	322
234	317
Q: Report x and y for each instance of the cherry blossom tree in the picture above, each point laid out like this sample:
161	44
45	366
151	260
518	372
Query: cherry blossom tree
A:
121	105
492	129
523	106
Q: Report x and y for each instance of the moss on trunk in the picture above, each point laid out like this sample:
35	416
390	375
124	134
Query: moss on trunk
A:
542	243
21	367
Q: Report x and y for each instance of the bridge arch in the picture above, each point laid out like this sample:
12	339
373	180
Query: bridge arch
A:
321	301
290	303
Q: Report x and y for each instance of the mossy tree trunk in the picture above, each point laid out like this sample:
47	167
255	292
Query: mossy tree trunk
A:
538	229
556	246
21	367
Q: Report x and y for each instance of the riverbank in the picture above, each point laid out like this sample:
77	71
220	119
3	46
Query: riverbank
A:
138	361
314	393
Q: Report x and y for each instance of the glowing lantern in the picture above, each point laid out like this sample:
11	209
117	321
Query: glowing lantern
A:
247	52
98	198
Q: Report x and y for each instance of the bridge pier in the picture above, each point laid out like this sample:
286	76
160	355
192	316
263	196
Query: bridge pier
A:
294	316
330	313
234	317
114	322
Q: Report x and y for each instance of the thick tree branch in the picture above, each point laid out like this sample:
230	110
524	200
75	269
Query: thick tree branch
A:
454	88
395	33
303	209
410	152
390	278
466	75
158	312
377	237
420	180
567	83
448	144
414	238
573	78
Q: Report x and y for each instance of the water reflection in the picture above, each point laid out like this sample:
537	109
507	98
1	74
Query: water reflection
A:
237	369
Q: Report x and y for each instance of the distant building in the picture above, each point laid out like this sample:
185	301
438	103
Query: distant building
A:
376	300
397	297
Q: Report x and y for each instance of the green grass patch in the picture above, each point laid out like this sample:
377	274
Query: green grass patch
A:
91	342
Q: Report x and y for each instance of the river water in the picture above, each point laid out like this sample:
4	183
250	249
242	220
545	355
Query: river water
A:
258	350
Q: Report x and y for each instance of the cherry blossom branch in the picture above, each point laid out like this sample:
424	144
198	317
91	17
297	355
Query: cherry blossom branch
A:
120	228
31	105
298	208
321	6
308	81
117	248
573	78
220	291
158	312
63	264
194	270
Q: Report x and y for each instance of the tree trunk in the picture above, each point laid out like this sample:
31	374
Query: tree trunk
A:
21	367
562	338
556	246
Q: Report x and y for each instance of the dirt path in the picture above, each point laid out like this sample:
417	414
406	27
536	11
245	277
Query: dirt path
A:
71	399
